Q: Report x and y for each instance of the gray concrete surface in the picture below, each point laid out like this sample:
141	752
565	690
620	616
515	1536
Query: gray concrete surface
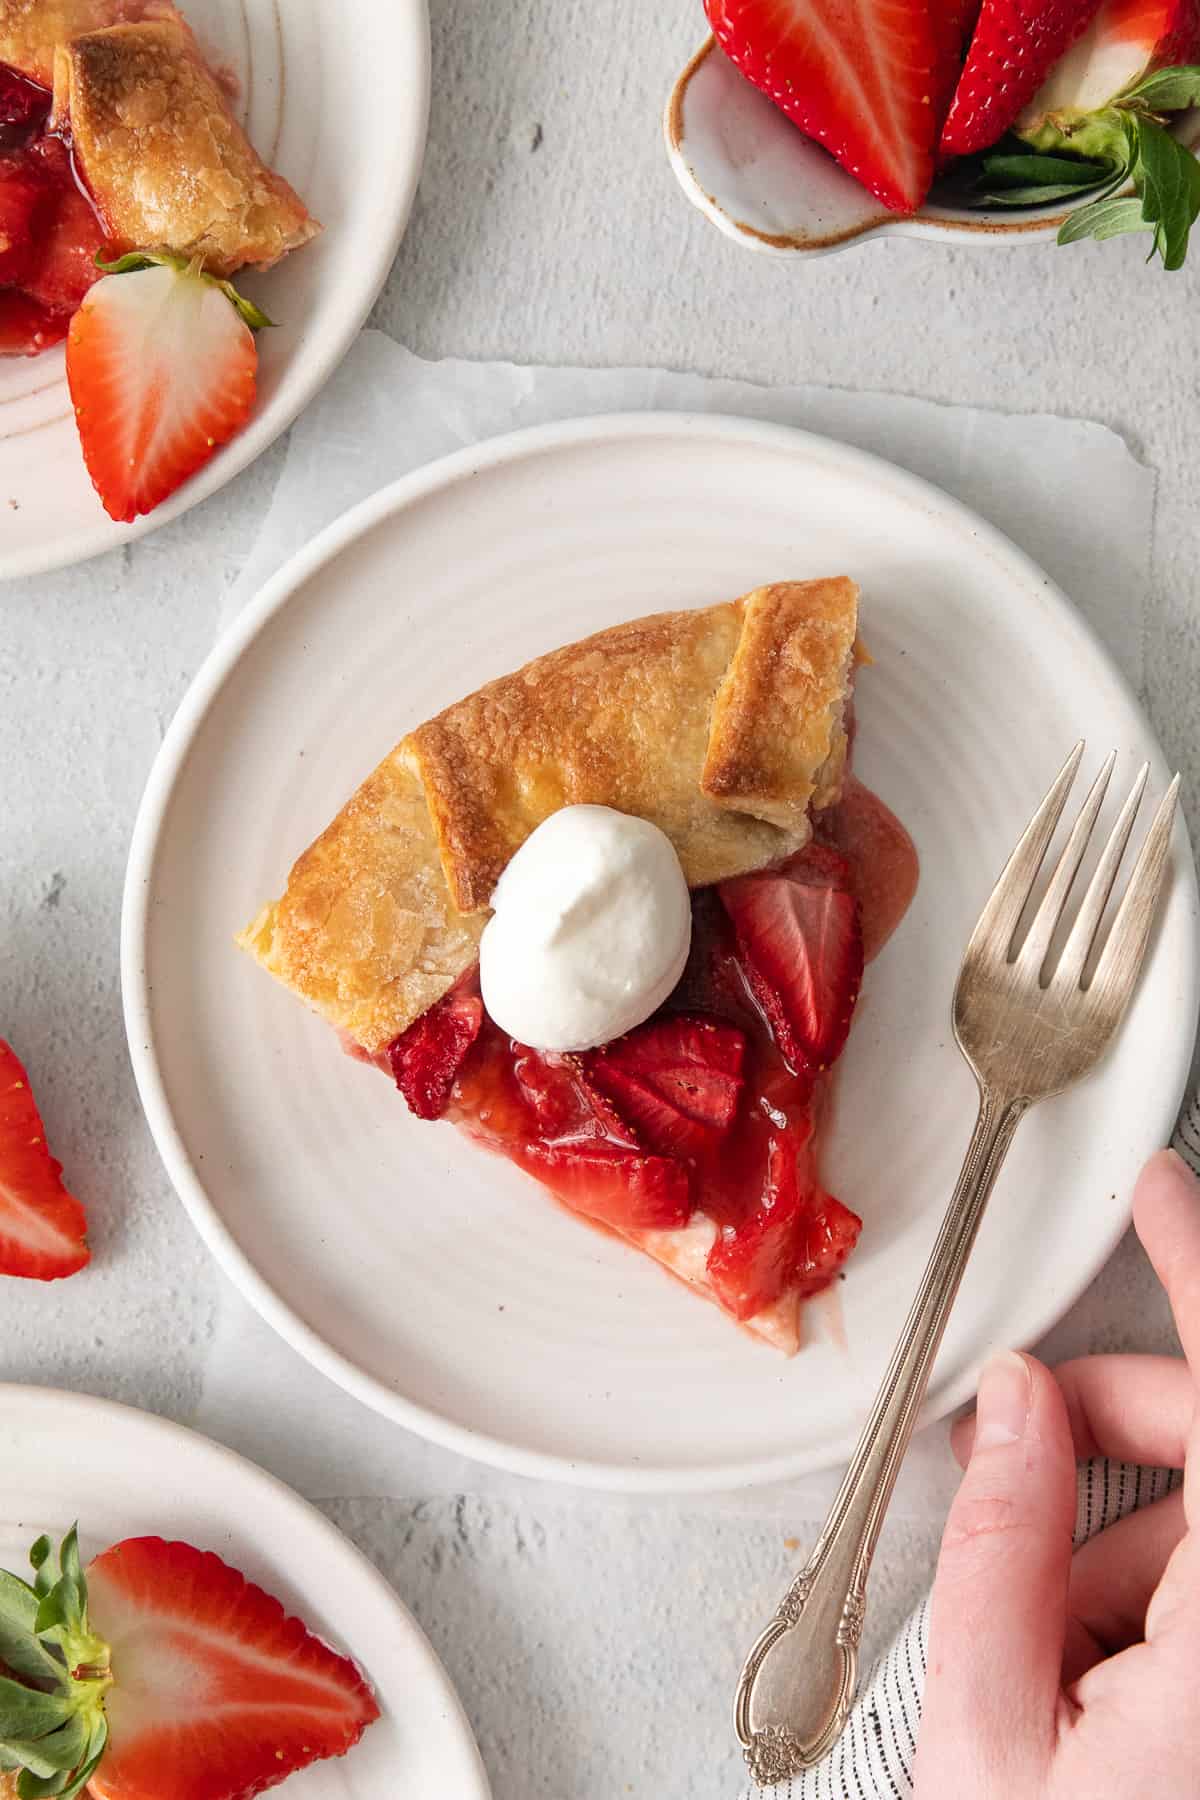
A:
594	1649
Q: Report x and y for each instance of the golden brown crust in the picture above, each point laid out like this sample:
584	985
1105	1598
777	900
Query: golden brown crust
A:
384	912
777	728
705	722
166	163
366	931
31	30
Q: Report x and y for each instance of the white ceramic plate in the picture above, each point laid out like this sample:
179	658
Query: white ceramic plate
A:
333	93
439	1284
124	1474
770	188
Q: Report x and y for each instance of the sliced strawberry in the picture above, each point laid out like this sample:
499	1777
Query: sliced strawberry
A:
826	1239
796	1237
801	947
42	1226
1015	46
860	76
24	105
611	1184
23	191
562	1100
676	1080
68	234
26	326
425	1059
162	372
217	1694
751	1263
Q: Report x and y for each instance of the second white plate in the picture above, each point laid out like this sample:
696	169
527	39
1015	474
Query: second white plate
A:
335	95
437	1283
119	1473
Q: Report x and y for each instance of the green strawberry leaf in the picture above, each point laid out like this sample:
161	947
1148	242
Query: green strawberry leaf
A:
1167	90
58	1752
247	311
1033	170
1167	177
25	1713
43	1578
1102	219
20	1650
80	1780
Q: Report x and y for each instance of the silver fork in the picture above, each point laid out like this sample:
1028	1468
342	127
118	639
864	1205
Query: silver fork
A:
1030	1024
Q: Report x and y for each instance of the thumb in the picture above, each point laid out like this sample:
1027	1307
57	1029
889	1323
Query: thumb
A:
999	1601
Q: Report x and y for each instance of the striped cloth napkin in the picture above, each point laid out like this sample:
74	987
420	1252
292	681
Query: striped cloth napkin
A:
873	1758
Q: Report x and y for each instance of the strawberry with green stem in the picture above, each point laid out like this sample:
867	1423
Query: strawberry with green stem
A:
1101	124
162	1671
161	364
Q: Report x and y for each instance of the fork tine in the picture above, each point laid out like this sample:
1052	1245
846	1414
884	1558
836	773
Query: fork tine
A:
1122	955
999	918
1037	943
1078	946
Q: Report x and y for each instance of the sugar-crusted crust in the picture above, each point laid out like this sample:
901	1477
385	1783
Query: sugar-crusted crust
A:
31	30
716	725
165	161
383	913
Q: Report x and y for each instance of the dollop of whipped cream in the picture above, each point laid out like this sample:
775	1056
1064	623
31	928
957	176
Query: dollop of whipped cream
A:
590	930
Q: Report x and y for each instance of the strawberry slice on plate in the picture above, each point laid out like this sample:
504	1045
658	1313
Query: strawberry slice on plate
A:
42	1226
425	1059
217	1694
800	936
862	77
676	1080
161	364
796	1236
1015	46
611	1183
164	1672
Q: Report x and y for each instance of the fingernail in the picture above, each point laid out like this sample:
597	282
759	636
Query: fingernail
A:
1182	1167
1002	1408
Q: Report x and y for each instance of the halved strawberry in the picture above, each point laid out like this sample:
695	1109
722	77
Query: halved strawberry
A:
22	191
1015	46
676	1080
862	77
425	1059
797	1236
1126	41
68	234
42	1226
216	1694
610	1183
161	369
801	945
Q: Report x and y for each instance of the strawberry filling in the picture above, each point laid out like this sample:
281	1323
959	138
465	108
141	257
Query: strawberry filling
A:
713	1104
49	232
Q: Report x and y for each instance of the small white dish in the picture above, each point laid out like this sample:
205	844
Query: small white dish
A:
120	1473
437	1283
333	93
767	186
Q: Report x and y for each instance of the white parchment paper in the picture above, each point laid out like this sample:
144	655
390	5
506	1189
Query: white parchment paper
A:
1069	492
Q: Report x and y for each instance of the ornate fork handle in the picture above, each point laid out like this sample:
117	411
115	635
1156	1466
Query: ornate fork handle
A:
798	1682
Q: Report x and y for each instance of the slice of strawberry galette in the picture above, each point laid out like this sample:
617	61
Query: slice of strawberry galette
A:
610	915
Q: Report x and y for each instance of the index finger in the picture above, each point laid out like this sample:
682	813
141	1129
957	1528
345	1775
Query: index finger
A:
1166	1212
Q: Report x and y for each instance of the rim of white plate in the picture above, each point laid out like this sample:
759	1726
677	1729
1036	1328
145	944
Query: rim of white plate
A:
218	665
403	174
65	1402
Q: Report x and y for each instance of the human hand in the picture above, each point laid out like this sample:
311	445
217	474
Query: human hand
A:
1054	1677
